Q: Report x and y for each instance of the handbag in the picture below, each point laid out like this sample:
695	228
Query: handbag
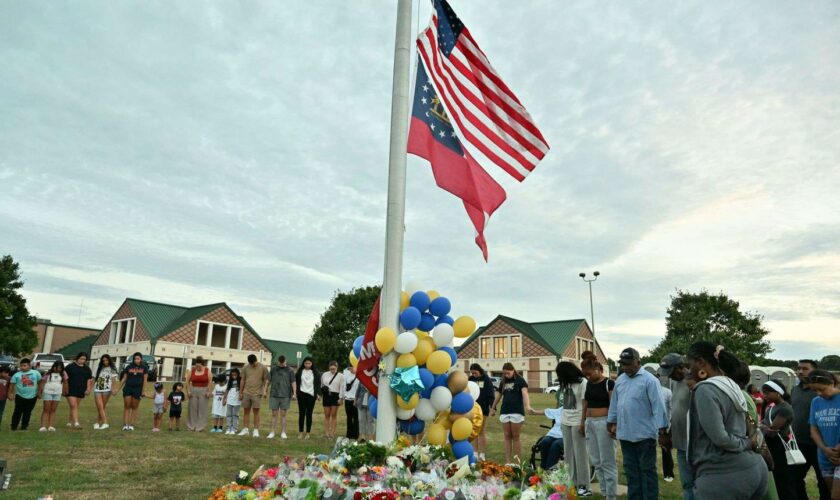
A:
325	389
793	454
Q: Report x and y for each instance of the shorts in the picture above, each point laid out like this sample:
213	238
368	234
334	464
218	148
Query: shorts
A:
78	395
216	415
331	399
830	470
485	409
513	418
51	397
102	393
157	409
174	413
132	392
279	403
249	401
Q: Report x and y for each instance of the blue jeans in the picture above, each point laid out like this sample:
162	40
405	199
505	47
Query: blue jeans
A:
551	451
640	469
686	475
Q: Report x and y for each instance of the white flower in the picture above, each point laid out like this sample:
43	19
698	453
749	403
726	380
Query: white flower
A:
528	495
395	463
243	474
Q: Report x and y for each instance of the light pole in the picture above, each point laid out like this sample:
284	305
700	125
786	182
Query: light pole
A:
591	306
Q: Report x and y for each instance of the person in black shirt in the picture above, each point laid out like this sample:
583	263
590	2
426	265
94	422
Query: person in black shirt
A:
133	381
513	393
174	401
485	400
79	385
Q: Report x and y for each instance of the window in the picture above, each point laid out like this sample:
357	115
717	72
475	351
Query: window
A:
218	335
201	337
122	331
516	347
485	348
235	338
499	347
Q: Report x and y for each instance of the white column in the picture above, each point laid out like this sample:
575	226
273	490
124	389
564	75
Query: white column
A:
227	338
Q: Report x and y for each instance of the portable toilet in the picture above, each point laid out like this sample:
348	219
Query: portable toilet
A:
786	375
653	369
760	375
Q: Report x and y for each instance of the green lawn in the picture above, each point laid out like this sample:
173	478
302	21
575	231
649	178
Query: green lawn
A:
143	465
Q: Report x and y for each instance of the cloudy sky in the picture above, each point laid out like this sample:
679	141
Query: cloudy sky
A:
198	152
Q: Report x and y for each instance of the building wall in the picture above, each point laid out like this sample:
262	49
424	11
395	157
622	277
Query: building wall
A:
584	333
52	337
186	334
124	312
500	327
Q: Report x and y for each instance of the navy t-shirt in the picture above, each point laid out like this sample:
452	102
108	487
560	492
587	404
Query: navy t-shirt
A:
512	396
134	375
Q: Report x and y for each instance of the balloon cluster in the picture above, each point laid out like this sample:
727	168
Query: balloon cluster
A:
433	399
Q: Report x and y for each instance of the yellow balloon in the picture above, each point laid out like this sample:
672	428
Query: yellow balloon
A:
406	360
353	359
464	327
461	429
422	351
436	435
442	419
438	362
415	398
385	340
477	421
421	334
404	300
433	294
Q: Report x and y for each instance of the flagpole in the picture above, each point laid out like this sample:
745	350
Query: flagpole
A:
386	421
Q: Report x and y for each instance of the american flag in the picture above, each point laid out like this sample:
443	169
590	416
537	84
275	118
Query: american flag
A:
495	127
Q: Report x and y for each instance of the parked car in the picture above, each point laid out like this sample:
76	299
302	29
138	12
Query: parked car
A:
43	361
496	381
551	389
10	362
151	365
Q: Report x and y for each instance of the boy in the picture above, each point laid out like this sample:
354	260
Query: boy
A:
24	390
5	375
173	402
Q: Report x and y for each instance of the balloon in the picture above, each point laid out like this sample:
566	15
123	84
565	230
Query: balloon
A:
385	340
462	449
443	419
441	398
461	429
353	360
420	300
413	427
440	380
440	306
428	380
473	389
406	342
410	318
464	327
453	356
404	414
425	411
406	360
357	346
477	421
404	302
411	287
455	416
457	382
423	349
445	319
421	334
427	322
433	294
461	402
443	335
411	403
436	435
438	362
373	406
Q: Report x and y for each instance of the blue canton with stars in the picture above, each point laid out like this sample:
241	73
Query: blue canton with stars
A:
449	27
429	109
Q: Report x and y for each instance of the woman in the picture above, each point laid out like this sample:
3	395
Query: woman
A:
133	383
776	428
719	451
825	427
571	395
104	387
485	399
599	444
331	383
199	391
79	384
757	397
513	393
306	395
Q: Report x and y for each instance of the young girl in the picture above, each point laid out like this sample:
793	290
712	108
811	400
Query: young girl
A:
331	383
104	386
174	401
133	381
485	400
306	379
53	385
572	394
776	429
599	445
231	402
158	407
218	403
825	427
513	393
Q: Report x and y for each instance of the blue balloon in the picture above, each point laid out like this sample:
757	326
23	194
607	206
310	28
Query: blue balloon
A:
462	448
357	346
440	380
428	379
445	319
373	406
462	403
420	300
410	318
452	354
427	323
440	306
415	427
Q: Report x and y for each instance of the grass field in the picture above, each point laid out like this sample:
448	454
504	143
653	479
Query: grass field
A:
88	464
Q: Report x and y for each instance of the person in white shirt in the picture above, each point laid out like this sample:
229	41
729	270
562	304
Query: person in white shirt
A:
348	394
551	445
307	379
331	383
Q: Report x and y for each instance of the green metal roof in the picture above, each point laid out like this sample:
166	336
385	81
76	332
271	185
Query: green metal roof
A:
192	314
156	317
84	344
288	349
553	335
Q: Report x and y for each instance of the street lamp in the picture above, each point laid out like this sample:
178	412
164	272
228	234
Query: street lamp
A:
591	306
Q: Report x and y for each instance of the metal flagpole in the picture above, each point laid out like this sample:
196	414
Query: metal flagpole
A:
386	421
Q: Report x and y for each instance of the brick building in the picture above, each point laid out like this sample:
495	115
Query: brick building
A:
533	348
53	337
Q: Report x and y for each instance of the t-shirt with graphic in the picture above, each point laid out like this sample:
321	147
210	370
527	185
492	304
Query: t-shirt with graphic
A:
26	383
54	383
77	378
233	392
105	380
218	396
134	375
512	396
175	399
825	414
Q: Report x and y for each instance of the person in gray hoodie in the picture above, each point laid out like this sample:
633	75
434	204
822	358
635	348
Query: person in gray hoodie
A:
719	450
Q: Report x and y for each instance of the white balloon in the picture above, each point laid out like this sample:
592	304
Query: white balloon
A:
441	398
475	391
405	414
425	411
406	342
443	335
413	286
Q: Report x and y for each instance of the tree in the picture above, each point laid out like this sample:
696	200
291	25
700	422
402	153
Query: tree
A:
714	318
16	325
830	362
787	363
343	321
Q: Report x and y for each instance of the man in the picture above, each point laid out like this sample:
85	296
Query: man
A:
674	367
348	394
801	396
637	417
253	389
283	389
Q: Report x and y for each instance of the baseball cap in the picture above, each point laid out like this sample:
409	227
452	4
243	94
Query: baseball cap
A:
669	362
628	355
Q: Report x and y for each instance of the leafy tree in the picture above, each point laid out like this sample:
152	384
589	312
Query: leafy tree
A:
343	321
787	363
830	362
17	336
714	318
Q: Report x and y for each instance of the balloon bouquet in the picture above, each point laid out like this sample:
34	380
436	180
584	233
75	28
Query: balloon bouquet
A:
429	397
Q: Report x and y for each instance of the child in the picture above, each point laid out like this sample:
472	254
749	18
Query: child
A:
218	403
231	401
24	390
52	386
5	375
157	407
176	397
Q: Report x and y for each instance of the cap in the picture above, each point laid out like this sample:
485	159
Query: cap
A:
628	355
669	362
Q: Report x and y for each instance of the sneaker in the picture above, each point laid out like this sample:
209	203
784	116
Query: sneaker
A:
103	427
283	435
51	429
256	433
669	479
77	425
306	436
244	431
42	429
583	492
96	426
69	424
131	427
125	427
270	435
155	430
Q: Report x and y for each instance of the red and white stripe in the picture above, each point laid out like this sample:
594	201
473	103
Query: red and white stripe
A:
490	119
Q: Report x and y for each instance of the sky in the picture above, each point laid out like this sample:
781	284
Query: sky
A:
198	152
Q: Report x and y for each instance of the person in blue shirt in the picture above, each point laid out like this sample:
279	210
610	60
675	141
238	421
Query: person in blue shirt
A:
638	419
825	427
23	389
